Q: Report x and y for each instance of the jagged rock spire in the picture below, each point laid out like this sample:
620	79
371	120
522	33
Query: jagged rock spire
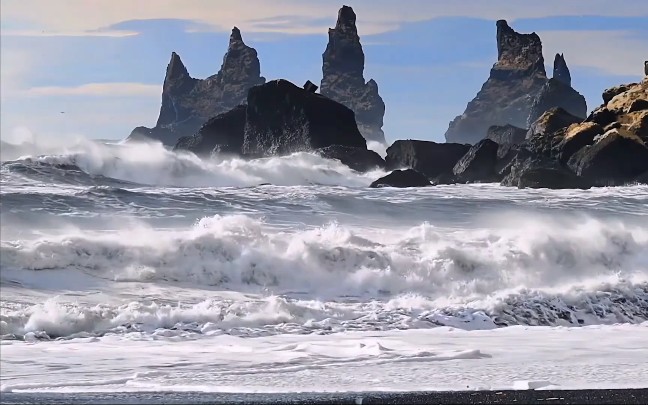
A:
187	103
235	35
343	54
518	51
343	79
175	68
240	63
560	70
507	96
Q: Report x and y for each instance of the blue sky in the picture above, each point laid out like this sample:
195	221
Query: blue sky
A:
102	62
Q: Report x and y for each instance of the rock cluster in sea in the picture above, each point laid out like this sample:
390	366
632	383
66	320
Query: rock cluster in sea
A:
522	129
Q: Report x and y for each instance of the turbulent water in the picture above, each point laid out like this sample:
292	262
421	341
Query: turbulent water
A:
113	240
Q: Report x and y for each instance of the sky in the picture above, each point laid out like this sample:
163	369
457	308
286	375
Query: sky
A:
95	68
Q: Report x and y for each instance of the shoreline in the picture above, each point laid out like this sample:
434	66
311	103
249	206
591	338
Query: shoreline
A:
568	396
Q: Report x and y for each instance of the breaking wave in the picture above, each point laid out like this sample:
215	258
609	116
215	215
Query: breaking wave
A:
542	272
95	163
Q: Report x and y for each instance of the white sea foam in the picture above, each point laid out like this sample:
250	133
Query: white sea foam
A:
439	359
153	164
417	277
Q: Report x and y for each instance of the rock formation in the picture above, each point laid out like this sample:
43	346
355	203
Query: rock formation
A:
517	91
561	71
426	157
507	95
618	152
343	80
607	149
282	118
357	158
478	164
221	134
187	103
557	92
506	134
402	178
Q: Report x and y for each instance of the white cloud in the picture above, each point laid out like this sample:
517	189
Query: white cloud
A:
84	17
610	52
123	89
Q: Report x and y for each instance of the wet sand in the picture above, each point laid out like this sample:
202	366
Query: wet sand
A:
588	396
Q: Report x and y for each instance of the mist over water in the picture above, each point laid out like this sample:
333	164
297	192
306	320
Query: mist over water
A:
115	239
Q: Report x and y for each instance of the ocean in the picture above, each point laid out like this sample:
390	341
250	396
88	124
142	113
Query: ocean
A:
131	268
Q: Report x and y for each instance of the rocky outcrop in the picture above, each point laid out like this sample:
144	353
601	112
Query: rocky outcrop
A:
426	157
402	178
551	121
538	172
343	80
357	158
561	71
187	103
221	134
507	96
607	149
517	91
556	94
615	158
506	134
282	118
478	164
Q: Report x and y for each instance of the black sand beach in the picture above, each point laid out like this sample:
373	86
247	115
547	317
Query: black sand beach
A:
603	396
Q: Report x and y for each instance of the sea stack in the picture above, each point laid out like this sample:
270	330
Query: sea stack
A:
557	92
343	80
187	103
507	95
560	70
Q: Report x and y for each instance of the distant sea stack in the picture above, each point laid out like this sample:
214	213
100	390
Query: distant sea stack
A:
187	103
557	92
517	91
343	80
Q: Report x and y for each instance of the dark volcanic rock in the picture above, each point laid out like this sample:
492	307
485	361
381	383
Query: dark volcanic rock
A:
283	118
551	121
534	172
221	134
642	178
610	93
638	105
556	94
607	149
616	158
506	134
575	138
357	158
602	116
310	86
343	80
429	158
561	71
478	164
402	178
187	103
506	97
